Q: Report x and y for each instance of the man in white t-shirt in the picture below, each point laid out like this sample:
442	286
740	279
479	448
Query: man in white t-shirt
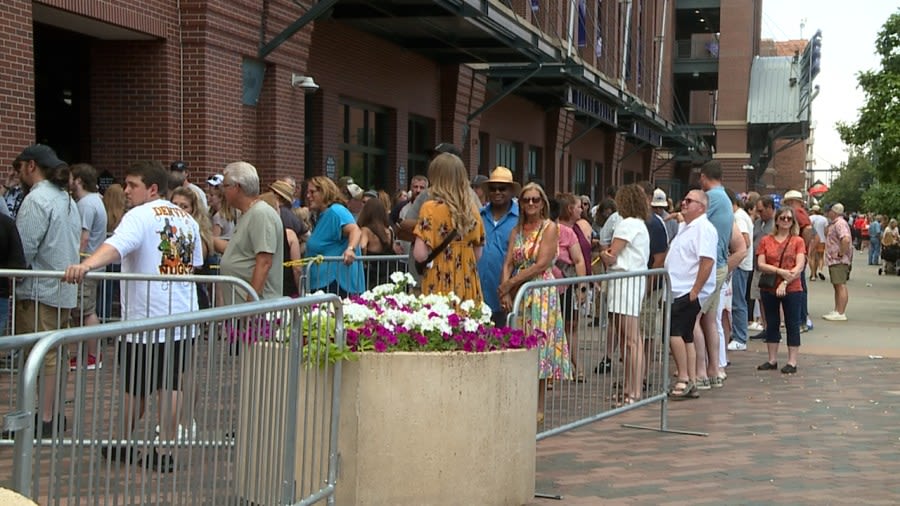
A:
691	264
154	237
817	244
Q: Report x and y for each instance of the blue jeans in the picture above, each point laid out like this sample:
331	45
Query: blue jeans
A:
4	312
804	307
791	305
739	305
874	251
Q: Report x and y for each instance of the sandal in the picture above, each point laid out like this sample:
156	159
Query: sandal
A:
688	391
767	366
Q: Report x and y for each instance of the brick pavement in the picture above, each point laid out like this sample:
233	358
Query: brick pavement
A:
827	435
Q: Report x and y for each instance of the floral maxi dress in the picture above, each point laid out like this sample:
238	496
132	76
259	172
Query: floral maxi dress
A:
541	309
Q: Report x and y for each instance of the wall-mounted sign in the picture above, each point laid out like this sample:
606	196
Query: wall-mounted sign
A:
646	134
330	167
592	106
401	177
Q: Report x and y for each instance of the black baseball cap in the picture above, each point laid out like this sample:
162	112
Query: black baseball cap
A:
178	165
42	155
445	147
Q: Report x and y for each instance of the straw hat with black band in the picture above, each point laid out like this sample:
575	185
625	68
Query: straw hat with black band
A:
502	175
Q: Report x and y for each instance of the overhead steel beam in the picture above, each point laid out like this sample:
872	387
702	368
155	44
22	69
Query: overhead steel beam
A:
594	124
504	93
311	15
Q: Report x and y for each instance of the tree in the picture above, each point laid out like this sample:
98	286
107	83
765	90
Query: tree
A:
883	198
856	175
878	126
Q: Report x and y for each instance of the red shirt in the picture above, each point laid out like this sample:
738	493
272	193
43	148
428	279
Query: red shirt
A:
802	218
772	249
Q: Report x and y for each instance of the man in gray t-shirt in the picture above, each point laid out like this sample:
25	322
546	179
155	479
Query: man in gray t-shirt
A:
83	187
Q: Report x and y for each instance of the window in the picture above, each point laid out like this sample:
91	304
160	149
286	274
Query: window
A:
363	144
420	132
532	164
507	155
580	186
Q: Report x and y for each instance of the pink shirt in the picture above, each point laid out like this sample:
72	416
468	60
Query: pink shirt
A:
567	238
837	230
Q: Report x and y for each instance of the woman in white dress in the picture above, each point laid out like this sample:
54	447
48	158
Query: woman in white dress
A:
629	251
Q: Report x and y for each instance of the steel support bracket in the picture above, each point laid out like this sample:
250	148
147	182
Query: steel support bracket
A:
311	15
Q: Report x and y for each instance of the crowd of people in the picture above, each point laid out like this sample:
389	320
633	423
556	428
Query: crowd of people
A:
481	239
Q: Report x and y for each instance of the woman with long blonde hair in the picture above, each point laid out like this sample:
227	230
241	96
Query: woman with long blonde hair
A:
114	201
533	247
453	207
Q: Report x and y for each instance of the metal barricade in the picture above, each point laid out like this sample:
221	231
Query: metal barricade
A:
21	333
619	348
247	411
371	271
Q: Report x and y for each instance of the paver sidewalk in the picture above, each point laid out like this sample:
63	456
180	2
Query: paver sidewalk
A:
827	435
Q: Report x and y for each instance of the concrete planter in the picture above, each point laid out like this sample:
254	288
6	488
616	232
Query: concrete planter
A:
415	428
438	429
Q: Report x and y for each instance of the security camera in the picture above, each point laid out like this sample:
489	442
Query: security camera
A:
305	83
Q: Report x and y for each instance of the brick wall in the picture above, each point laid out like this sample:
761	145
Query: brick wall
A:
179	96
17	98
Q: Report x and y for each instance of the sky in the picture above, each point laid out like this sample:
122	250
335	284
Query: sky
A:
848	47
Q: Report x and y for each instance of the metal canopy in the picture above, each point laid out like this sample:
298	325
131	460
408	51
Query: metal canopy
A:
449	31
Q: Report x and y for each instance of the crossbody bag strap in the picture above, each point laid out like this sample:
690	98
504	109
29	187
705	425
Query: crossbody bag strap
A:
441	247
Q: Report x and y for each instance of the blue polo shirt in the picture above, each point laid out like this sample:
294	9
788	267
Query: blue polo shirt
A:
496	242
721	215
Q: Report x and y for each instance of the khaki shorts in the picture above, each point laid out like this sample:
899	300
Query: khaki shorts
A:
712	303
34	316
839	273
87	300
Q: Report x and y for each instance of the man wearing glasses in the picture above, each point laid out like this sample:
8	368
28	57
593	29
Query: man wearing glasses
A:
499	217
691	264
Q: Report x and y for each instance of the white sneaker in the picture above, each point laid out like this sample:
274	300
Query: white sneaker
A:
836	317
830	313
755	326
737	346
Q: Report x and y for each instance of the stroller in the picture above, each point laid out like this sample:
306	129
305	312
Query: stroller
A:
890	255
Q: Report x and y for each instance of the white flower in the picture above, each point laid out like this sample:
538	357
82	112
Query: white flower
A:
470	325
467	305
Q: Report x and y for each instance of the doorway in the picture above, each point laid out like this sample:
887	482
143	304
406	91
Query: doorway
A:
62	92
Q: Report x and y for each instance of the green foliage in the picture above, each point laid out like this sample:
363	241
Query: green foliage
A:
878	125
317	328
856	174
883	199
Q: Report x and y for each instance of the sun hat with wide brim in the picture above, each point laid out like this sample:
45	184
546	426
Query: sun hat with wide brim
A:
792	195
283	190
502	175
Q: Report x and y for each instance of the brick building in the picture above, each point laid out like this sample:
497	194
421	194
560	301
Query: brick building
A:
580	95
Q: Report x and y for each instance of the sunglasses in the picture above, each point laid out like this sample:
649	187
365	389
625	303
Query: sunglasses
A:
497	188
687	200
531	200
786	218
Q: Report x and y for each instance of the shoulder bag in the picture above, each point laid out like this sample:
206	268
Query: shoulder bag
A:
768	280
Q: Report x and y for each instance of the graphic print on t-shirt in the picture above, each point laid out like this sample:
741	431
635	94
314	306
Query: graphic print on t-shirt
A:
177	248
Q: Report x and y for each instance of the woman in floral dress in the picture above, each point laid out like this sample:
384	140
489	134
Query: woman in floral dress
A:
453	208
532	251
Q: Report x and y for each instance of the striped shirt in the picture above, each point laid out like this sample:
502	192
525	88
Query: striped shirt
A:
50	227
